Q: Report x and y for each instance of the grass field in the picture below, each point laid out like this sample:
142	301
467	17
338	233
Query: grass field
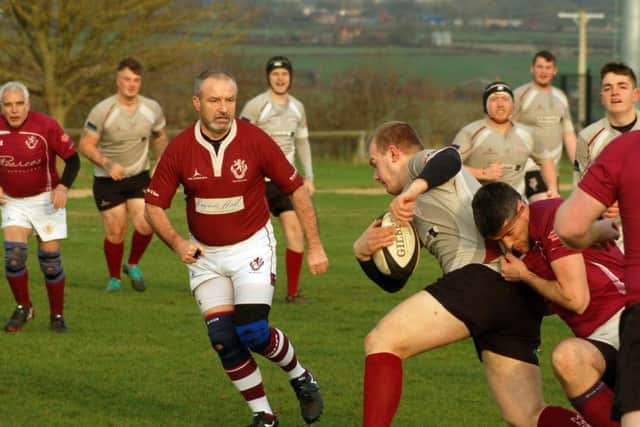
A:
135	359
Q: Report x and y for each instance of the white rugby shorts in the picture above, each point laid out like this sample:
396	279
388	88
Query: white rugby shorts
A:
242	273
36	212
608	332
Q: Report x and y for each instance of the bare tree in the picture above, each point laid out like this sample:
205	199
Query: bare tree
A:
66	50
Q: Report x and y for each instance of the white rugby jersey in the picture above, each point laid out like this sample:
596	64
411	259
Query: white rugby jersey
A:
124	138
286	124
444	220
481	145
547	113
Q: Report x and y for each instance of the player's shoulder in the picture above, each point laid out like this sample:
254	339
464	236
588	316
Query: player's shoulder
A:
559	95
522	130
520	90
257	101
41	119
149	102
295	101
593	129
104	106
474	127
542	213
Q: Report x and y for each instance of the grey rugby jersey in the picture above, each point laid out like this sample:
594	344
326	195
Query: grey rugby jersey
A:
481	145
122	137
444	220
285	124
547	113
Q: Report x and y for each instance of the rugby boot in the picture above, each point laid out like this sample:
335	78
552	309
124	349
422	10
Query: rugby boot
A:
113	285
262	419
134	273
308	394
57	324
19	317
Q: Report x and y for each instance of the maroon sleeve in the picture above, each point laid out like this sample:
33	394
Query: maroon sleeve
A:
166	178
276	166
601	179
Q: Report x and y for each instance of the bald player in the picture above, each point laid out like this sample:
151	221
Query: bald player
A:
618	94
283	118
116	138
546	109
497	149
435	194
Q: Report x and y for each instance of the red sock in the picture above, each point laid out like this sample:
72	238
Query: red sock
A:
20	288
55	291
595	405
139	243
555	416
382	389
113	253
294	266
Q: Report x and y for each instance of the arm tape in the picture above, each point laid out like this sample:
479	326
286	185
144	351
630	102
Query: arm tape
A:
71	168
440	168
385	282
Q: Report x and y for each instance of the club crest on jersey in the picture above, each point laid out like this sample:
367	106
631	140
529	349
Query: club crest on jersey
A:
256	264
239	168
31	142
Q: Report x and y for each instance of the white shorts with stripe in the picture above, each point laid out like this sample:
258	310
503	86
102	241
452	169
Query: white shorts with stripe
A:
37	213
242	273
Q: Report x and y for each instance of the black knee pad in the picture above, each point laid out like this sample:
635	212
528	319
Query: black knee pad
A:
225	341
15	258
51	265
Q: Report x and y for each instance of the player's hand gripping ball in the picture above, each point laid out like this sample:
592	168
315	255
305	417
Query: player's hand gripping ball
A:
399	259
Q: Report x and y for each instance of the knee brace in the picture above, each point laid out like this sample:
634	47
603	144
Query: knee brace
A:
15	258
252	325
51	266
225	341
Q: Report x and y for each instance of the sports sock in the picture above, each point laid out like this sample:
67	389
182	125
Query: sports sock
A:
55	291
247	378
113	253
139	243
20	288
382	389
280	351
595	405
294	267
556	416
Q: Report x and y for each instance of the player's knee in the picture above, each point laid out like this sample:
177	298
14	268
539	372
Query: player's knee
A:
51	265
566	358
15	258
254	335
225	341
374	342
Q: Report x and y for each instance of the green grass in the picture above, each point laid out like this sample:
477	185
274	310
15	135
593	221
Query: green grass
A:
136	359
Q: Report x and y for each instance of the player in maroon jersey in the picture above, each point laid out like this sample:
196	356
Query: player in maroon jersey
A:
613	176
585	288
222	163
33	198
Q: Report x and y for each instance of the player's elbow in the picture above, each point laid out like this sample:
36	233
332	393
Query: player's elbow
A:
580	303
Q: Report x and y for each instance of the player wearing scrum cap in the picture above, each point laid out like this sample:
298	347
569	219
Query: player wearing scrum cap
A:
435	194
497	149
283	118
546	109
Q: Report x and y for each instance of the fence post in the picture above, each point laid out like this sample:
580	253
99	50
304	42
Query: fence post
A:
361	149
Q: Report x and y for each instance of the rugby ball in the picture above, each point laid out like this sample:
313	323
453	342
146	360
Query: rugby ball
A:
399	259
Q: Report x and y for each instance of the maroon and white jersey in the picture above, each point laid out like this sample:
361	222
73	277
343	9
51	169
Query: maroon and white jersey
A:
604	269
28	155
615	176
224	190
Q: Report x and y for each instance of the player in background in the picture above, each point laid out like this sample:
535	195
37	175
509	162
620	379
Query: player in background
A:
497	149
432	191
283	118
546	110
585	288
222	163
614	176
33	198
618	94
116	138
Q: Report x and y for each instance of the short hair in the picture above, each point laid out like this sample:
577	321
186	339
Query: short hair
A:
211	74
545	54
131	63
618	68
14	85
397	133
493	205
